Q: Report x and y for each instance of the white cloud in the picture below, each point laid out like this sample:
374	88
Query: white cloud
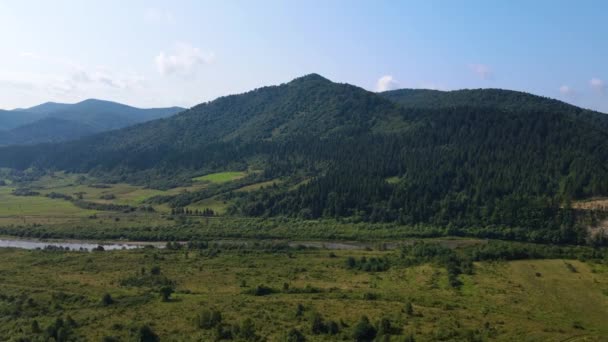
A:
597	84
70	81
184	60
482	70
159	16
386	82
566	90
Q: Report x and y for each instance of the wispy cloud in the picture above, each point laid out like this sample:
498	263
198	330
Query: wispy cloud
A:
566	90
386	82
597	84
482	70
183	60
68	79
159	16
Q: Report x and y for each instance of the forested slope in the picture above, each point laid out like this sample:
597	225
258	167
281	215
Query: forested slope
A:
464	158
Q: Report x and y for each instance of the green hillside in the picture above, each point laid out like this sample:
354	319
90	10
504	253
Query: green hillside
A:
487	162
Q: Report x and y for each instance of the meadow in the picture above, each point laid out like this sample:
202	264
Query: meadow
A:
276	293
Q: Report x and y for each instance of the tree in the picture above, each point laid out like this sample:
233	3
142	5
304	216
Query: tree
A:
409	309
35	327
384	327
299	310
333	328
209	319
294	335
146	334
317	325
351	262
247	330
155	270
364	331
107	300
165	293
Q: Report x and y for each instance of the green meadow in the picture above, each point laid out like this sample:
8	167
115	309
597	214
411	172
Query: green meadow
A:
221	177
529	300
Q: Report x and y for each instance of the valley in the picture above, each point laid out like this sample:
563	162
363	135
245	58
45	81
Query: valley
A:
454	216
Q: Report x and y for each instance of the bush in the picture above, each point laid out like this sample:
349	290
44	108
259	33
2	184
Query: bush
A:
261	290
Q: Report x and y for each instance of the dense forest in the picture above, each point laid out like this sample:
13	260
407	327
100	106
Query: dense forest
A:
472	158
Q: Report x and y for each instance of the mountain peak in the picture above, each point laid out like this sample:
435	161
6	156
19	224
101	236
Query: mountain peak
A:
310	78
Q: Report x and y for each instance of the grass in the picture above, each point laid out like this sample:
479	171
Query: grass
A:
501	301
393	180
218	206
258	186
36	206
221	177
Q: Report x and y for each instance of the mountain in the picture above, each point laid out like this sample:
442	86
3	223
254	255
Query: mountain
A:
48	129
46	108
54	122
472	158
106	115
10	119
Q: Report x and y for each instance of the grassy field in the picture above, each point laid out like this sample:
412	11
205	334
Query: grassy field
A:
535	300
221	177
36	206
42	210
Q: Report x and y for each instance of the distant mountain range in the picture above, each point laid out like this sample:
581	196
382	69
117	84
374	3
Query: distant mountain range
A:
56	122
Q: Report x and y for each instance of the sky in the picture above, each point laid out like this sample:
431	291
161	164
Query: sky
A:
166	53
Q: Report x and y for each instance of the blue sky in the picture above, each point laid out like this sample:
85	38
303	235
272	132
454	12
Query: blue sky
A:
155	53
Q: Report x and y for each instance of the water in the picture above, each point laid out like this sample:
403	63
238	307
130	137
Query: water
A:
79	245
331	245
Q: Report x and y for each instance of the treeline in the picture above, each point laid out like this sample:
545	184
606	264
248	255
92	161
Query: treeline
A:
193	212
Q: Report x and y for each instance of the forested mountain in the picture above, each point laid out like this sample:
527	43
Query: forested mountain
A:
496	98
54	122
465	158
48	129
10	119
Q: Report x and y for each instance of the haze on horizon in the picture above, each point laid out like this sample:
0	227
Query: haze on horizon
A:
160	53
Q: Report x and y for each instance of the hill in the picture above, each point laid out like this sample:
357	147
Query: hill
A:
482	158
54	122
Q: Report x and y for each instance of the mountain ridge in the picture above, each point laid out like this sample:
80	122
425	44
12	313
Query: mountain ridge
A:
73	120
